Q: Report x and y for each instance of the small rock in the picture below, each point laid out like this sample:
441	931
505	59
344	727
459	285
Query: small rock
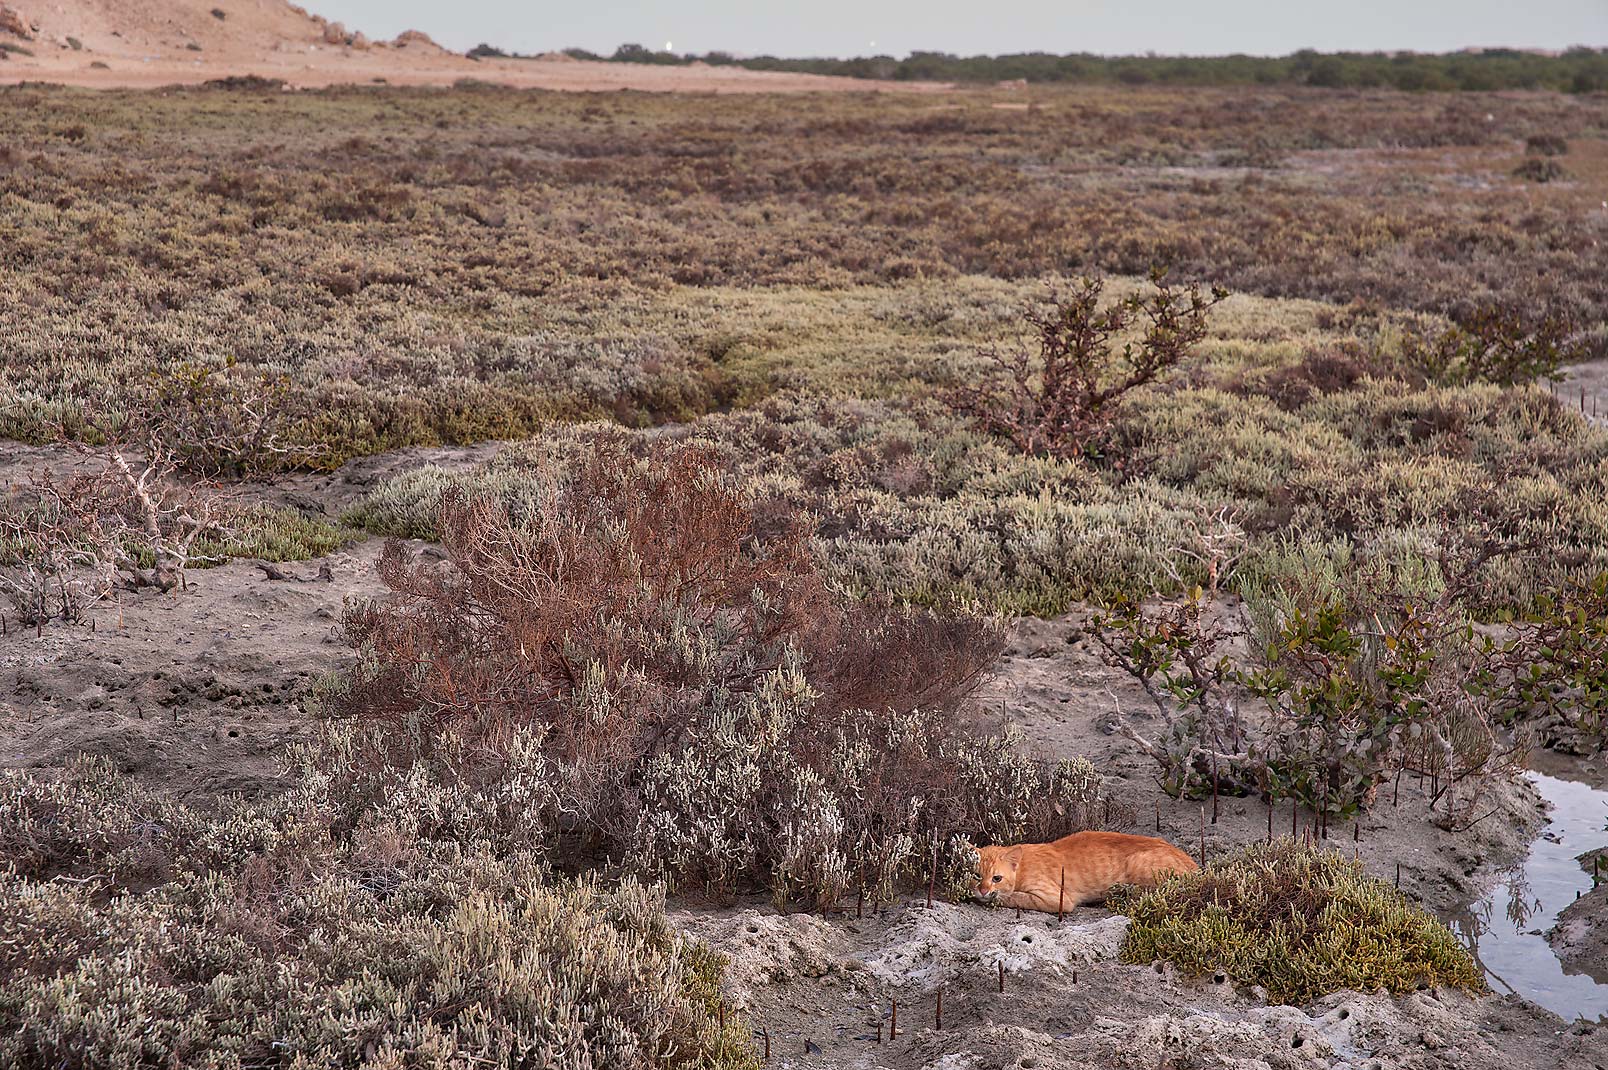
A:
12	22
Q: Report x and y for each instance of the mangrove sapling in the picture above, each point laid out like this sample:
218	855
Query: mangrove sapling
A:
1346	707
1179	655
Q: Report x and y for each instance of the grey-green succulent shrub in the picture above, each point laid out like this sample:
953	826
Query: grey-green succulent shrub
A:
905	499
137	932
1299	921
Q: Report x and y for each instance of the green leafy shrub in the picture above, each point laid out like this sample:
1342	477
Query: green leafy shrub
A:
1298	921
256	937
1549	667
1493	345
1347	703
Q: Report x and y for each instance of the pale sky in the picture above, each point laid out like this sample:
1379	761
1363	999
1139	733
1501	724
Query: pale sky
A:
896	27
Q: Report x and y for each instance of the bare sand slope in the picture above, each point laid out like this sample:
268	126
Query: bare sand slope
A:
147	43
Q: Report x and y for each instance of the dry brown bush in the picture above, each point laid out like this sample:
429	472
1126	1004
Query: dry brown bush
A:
684	697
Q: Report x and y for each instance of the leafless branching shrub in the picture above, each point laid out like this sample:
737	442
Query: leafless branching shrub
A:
1062	401
1215	543
123	522
124	518
57	557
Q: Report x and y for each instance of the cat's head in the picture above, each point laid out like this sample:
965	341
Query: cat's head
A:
996	870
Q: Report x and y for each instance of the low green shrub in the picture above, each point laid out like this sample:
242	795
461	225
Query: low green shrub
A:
1300	922
275	533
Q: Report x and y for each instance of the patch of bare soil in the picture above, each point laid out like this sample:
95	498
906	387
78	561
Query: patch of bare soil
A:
196	691
1034	992
150	43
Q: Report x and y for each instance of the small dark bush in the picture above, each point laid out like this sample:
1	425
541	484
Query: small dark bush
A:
1540	169
219	13
1064	403
247	83
1546	145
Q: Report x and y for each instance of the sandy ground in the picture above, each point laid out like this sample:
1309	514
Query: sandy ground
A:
196	691
148	43
1586	385
825	990
199	690
1581	939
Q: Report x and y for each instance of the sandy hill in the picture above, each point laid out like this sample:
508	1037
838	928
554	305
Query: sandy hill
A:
111	43
147	29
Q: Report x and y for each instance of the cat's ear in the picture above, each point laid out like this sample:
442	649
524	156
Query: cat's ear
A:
1013	857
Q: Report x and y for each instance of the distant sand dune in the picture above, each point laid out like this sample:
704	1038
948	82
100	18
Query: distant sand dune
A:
145	43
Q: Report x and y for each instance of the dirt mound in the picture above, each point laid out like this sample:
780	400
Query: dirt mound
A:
146	31
148	43
415	39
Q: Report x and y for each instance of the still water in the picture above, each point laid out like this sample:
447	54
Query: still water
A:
1506	930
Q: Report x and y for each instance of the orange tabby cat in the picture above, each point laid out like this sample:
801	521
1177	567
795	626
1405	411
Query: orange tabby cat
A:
1028	875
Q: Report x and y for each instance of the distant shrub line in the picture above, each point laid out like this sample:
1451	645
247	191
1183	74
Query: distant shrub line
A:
1578	70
